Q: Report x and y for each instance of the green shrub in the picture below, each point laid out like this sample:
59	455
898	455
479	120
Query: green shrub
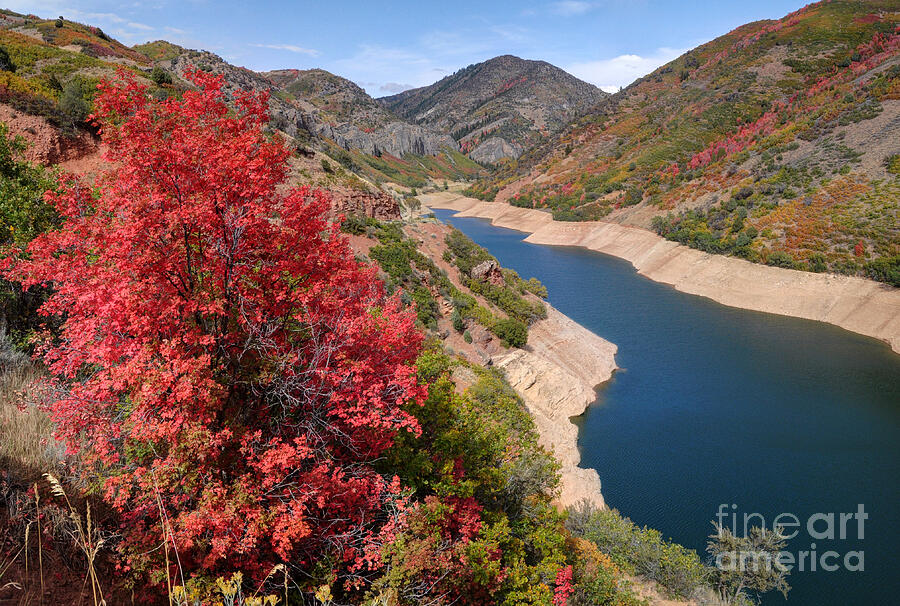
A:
23	215
512	333
639	550
160	77
6	64
779	258
891	163
426	307
534	286
885	269
75	102
817	263
394	259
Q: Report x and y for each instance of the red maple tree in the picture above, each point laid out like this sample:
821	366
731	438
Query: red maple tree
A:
225	365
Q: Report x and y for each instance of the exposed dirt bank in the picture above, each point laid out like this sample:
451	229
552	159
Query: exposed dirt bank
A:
856	304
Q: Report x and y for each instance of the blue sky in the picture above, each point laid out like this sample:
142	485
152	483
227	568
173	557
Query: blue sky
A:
386	47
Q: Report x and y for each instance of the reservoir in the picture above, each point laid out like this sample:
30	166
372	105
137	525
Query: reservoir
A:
718	410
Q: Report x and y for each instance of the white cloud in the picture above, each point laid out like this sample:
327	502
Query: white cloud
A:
610	74
392	88
175	30
110	17
140	26
290	47
570	8
384	70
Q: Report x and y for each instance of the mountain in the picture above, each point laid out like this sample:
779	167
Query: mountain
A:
316	101
498	108
335	115
776	142
337	99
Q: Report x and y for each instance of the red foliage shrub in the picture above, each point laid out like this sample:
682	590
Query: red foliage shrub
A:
443	557
225	365
510	84
745	136
564	587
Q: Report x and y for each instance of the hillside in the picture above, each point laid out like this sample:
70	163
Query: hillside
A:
776	142
336	99
314	103
498	108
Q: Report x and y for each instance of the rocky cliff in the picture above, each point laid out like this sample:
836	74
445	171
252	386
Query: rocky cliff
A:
377	204
319	104
344	113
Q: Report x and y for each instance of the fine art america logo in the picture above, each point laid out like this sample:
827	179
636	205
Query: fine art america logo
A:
748	554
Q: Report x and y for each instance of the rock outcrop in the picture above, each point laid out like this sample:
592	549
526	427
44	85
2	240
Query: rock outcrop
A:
376	204
488	271
493	150
395	138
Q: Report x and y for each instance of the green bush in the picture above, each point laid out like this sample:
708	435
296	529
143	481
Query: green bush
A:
394	259
426	307
75	102
779	258
159	76
891	163
512	332
6	64
817	263
23	215
885	269
639	550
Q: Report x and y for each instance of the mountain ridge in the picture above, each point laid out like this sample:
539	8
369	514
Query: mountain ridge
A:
498	108
299	102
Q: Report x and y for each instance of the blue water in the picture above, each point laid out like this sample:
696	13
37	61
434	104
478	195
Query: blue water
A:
715	405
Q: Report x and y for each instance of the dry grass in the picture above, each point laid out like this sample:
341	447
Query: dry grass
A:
27	446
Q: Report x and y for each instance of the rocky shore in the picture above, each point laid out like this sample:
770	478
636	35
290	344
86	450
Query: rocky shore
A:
556	375
856	304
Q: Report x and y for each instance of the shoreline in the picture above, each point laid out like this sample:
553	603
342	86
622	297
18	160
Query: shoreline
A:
557	375
862	306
